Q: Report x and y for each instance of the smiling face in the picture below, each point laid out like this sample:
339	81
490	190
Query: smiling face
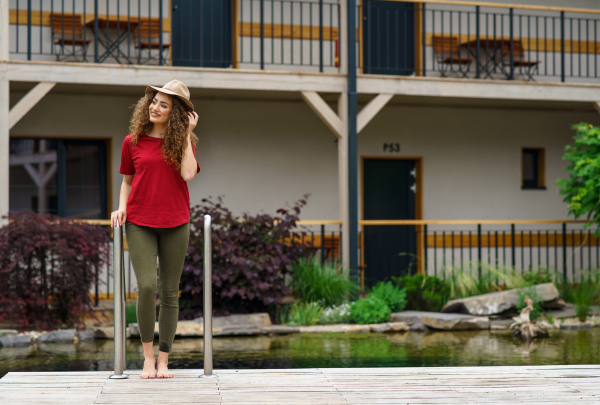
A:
160	108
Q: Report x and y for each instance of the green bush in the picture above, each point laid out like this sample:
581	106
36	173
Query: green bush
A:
304	313
336	314
532	293
314	282
393	296
370	310
424	293
130	313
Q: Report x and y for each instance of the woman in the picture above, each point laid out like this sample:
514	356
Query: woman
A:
157	160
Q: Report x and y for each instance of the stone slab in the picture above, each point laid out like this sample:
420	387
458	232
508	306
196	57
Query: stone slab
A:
85	335
442	321
279	330
496	302
5	332
568	311
58	336
15	340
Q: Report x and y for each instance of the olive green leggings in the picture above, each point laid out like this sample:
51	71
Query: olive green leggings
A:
170	245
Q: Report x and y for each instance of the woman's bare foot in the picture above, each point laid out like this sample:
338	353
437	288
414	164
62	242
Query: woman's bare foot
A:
162	366
149	371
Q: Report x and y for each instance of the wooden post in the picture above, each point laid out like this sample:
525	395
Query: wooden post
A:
343	179
4	109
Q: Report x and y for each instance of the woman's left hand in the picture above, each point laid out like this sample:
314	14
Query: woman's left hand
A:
193	121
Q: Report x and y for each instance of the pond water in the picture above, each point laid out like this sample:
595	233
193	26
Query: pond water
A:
432	349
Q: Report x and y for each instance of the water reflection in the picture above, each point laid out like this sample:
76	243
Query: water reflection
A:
482	348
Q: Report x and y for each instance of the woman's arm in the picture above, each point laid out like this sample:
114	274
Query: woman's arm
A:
121	214
188	163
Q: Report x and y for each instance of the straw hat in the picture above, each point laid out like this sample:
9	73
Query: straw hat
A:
174	88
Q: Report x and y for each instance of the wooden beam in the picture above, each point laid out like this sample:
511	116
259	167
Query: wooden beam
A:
28	102
596	106
322	109
343	180
502	5
4	30
194	78
369	111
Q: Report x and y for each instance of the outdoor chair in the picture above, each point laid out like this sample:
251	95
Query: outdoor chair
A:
447	53
67	37
146	38
527	68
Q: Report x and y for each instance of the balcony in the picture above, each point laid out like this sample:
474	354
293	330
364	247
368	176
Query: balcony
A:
485	41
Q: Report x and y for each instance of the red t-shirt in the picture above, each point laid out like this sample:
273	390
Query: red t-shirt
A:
159	196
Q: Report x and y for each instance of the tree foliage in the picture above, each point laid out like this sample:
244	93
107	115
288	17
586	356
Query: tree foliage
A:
582	188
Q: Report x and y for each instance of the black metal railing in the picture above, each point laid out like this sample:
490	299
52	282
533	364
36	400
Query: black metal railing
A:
479	41
321	238
565	249
264	34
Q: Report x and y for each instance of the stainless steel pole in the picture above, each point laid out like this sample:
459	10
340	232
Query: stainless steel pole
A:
208	352
119	299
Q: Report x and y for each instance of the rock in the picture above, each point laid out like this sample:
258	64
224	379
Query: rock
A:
279	330
418	327
568	311
85	335
398	327
188	329
6	332
381	327
323	329
15	340
134	329
438	320
108	332
58	336
357	329
496	302
558	303
500	324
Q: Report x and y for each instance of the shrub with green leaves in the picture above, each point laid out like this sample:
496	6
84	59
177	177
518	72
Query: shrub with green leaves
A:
393	296
304	313
582	188
370	310
423	293
325	283
532	293
336	314
583	295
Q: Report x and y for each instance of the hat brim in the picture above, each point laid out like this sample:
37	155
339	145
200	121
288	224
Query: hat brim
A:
149	89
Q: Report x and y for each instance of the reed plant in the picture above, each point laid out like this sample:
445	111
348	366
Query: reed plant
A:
328	284
304	313
584	294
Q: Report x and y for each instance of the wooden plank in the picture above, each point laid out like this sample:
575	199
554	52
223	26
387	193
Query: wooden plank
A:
323	111
29	100
287	31
44	19
502	5
368	112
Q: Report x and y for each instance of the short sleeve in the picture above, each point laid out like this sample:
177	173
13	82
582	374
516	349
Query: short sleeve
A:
126	161
197	165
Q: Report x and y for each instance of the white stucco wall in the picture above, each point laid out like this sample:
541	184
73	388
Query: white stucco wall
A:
263	154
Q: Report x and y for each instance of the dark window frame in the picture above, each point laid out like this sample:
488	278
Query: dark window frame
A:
539	181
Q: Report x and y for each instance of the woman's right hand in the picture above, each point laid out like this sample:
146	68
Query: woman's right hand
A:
118	215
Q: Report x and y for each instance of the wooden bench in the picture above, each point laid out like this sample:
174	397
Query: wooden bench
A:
67	32
147	37
527	67
447	52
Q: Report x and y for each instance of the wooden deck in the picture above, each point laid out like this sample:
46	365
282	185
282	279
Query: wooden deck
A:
444	385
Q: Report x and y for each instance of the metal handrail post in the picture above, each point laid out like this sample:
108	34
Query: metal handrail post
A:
119	299
208	352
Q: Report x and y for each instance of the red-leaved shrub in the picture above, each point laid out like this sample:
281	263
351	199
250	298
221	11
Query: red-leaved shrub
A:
251	256
47	266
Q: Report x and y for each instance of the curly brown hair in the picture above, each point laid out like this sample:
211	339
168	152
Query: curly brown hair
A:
173	146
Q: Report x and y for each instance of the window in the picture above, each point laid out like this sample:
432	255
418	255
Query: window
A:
60	177
533	169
